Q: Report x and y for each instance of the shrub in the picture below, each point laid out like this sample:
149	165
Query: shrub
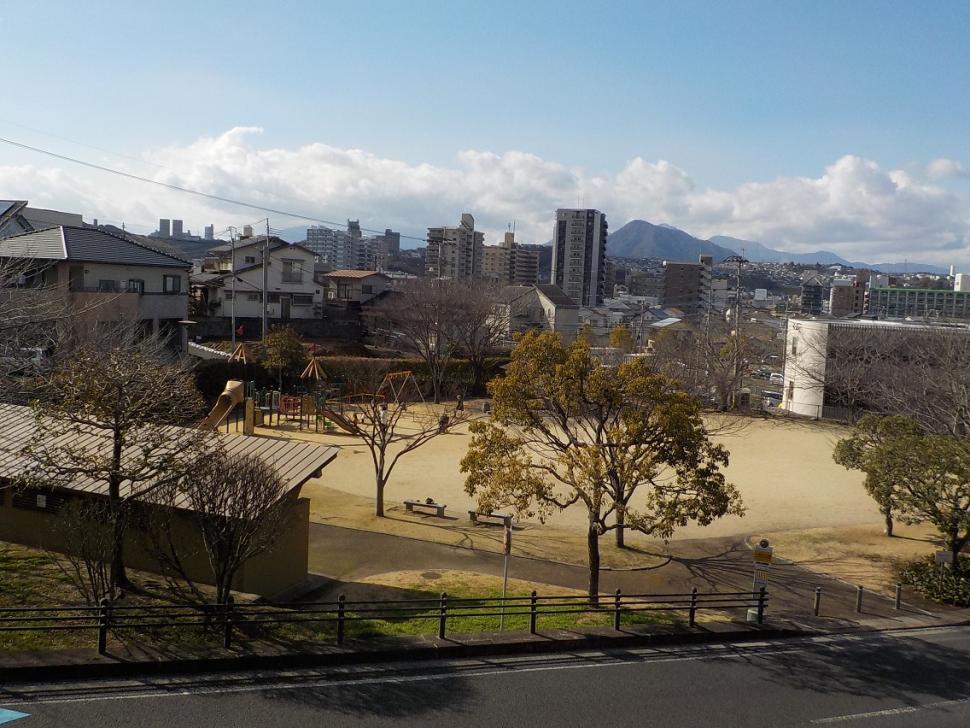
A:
924	575
211	376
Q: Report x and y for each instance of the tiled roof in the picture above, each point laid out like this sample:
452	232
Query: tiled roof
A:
348	273
84	244
555	294
294	461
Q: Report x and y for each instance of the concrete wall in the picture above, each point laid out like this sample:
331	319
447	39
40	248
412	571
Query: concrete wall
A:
805	360
283	566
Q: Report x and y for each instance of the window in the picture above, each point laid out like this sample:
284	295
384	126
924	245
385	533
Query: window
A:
292	271
302	299
250	260
254	296
136	286
794	347
343	290
227	295
106	286
272	298
171	284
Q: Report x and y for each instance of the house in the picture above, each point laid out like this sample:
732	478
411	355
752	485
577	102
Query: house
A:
540	306
16	218
291	291
106	276
352	286
32	516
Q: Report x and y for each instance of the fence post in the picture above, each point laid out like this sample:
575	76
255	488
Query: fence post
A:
691	619
533	612
442	615
858	598
340	619
227	623
818	601
761	605
104	616
898	601
616	610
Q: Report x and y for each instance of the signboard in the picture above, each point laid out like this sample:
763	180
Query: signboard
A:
943	557
761	554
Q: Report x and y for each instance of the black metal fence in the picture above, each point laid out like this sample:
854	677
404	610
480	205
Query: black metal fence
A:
340	613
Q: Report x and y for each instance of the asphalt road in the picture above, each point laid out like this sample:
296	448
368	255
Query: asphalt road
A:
913	678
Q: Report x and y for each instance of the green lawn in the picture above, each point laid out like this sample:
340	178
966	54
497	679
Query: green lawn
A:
31	578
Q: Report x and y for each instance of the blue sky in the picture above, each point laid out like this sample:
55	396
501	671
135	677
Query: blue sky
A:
729	93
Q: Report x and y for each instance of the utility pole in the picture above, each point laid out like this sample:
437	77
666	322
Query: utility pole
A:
738	362
265	276
232	271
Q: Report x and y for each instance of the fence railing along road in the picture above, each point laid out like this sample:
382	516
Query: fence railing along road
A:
228	617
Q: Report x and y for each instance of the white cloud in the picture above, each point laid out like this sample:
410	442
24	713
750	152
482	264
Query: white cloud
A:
854	207
943	168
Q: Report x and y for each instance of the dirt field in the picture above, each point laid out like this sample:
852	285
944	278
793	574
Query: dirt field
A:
783	469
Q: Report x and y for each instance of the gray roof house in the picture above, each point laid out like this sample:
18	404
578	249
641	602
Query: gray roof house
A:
107	276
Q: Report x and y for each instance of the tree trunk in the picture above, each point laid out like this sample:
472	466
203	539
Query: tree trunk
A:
957	543
379	505
119	576
620	516
888	515
593	546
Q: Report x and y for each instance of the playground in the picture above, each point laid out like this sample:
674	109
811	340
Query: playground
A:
815	510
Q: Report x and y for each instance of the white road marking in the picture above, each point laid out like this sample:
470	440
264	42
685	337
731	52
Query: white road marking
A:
384	679
890	711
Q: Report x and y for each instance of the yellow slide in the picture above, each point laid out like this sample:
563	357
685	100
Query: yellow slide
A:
233	394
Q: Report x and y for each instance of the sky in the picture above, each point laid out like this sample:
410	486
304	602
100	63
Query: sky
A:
804	125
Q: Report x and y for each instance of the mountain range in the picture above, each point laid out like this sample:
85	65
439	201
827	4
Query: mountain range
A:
641	239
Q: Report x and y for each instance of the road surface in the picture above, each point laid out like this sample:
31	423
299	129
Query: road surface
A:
877	680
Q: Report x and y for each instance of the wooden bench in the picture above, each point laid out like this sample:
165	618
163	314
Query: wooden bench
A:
438	508
505	518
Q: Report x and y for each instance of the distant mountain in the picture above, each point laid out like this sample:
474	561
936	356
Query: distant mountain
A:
760	253
641	239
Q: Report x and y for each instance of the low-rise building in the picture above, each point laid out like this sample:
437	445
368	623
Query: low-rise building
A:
542	306
352	286
107	277
291	289
17	217
917	303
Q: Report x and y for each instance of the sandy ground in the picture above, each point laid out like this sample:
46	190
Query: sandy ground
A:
815	512
857	554
783	469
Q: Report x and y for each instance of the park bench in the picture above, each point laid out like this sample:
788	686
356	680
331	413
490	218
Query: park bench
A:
438	508
505	518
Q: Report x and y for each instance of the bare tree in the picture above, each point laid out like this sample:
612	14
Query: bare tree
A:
86	530
909	370
479	326
103	416
392	422
422	315
237	503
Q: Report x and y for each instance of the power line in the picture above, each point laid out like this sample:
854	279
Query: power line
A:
197	193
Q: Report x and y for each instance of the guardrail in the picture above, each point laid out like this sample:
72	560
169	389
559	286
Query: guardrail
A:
228	617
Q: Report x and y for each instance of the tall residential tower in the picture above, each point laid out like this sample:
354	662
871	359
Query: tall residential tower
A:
455	252
579	255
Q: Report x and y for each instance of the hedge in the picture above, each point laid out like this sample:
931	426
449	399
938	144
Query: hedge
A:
953	587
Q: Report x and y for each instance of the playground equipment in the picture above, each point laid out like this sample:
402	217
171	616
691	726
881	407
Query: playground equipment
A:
233	393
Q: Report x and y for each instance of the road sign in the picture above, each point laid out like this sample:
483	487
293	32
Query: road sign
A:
943	557
762	552
8	716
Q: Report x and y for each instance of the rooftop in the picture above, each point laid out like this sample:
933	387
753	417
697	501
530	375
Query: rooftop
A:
348	273
294	461
85	244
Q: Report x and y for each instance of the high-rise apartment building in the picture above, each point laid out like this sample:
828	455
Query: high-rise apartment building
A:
455	252
338	248
687	286
164	228
579	255
510	263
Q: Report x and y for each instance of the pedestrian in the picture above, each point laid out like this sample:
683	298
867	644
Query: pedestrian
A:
460	406
442	423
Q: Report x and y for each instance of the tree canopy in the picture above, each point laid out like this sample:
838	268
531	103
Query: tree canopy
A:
568	429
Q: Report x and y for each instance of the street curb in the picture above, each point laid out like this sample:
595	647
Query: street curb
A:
103	667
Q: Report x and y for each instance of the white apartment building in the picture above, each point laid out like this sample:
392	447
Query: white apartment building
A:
292	292
579	255
455	252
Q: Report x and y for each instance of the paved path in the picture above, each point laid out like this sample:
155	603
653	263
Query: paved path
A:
876	680
346	555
